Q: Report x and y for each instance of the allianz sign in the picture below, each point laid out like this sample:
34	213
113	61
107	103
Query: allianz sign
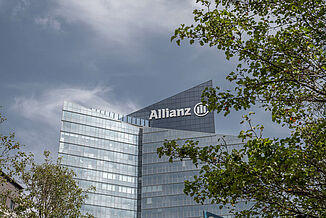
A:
199	110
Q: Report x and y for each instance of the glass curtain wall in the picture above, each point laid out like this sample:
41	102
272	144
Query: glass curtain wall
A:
117	155
163	182
103	152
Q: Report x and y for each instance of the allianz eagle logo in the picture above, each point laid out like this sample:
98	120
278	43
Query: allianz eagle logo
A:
199	110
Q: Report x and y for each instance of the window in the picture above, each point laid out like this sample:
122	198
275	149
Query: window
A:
149	201
12	205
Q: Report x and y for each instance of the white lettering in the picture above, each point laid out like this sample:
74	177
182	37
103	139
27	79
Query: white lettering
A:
173	113
200	110
180	112
188	113
163	113
159	114
153	114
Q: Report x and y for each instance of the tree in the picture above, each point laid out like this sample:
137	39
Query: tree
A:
10	156
280	46
51	191
49	188
9	151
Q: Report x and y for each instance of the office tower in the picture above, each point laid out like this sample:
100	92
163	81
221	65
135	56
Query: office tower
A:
117	154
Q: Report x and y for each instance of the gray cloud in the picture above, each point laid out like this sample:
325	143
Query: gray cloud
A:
40	114
48	22
46	107
20	6
124	21
56	50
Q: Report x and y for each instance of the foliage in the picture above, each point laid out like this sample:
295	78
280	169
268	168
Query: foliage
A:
280	46
280	177
50	191
10	156
9	151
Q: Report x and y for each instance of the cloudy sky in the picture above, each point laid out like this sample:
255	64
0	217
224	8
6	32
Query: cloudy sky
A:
113	55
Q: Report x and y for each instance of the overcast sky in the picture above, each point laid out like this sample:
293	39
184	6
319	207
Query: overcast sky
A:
109	54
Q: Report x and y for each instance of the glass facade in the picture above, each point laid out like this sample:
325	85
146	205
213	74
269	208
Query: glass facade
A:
103	152
163	182
186	99
117	155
